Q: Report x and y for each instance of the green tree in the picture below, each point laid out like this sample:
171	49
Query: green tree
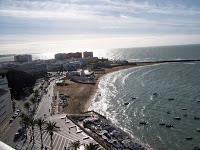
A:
75	145
50	128
25	119
92	146
32	124
27	106
41	124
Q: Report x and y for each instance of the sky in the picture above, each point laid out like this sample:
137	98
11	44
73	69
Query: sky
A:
41	25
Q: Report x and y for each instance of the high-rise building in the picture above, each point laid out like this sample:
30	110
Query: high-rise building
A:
23	58
87	54
6	110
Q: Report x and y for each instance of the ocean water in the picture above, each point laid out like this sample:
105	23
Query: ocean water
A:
180	81
133	54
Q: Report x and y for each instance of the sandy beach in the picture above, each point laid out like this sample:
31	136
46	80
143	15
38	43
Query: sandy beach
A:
81	94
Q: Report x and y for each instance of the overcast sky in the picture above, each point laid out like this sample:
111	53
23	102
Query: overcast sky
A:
31	21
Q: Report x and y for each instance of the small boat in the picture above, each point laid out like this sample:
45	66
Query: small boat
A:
177	118
198	129
188	138
155	94
196	148
169	126
185	115
168	112
196	118
133	97
170	99
126	103
143	122
184	108
162	124
198	101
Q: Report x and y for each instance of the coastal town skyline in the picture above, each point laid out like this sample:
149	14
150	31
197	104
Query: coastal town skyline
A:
64	25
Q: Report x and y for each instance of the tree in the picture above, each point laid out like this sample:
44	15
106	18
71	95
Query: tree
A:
75	145
41	124
92	146
25	119
32	124
27	106
34	101
50	128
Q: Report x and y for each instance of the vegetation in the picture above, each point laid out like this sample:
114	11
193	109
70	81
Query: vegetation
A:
20	82
92	146
27	106
32	124
41	123
50	128
25	120
74	145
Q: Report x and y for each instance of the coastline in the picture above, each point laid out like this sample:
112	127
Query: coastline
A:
108	71
82	95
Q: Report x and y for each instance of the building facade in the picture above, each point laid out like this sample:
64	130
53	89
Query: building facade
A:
23	58
87	54
65	56
6	109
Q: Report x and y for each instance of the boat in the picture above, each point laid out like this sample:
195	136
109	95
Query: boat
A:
185	115
188	138
196	148
170	99
198	101
168	112
126	103
169	126
184	108
196	118
162	124
177	118
198	129
143	122
155	94
133	97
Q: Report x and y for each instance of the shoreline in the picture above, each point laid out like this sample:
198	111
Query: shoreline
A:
82	95
109	71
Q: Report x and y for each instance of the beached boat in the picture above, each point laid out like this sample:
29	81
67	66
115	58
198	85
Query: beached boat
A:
162	124
169	126
126	103
143	122
177	118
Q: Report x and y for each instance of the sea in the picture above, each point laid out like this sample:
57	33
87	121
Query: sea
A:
178	95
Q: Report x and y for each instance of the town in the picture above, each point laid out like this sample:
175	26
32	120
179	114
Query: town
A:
39	97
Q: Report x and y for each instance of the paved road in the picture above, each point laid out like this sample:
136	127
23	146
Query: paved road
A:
45	104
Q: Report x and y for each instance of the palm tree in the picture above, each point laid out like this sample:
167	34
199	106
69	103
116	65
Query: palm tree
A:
92	146
27	106
50	128
32	124
75	145
26	121
34	101
41	124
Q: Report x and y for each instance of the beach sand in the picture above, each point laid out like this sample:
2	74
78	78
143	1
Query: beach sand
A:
81	94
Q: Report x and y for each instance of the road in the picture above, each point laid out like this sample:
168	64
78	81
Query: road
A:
45	104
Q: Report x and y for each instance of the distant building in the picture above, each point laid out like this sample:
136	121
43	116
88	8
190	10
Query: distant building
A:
6	110
87	54
65	56
23	58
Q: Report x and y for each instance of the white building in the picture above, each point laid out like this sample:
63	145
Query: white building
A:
6	110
